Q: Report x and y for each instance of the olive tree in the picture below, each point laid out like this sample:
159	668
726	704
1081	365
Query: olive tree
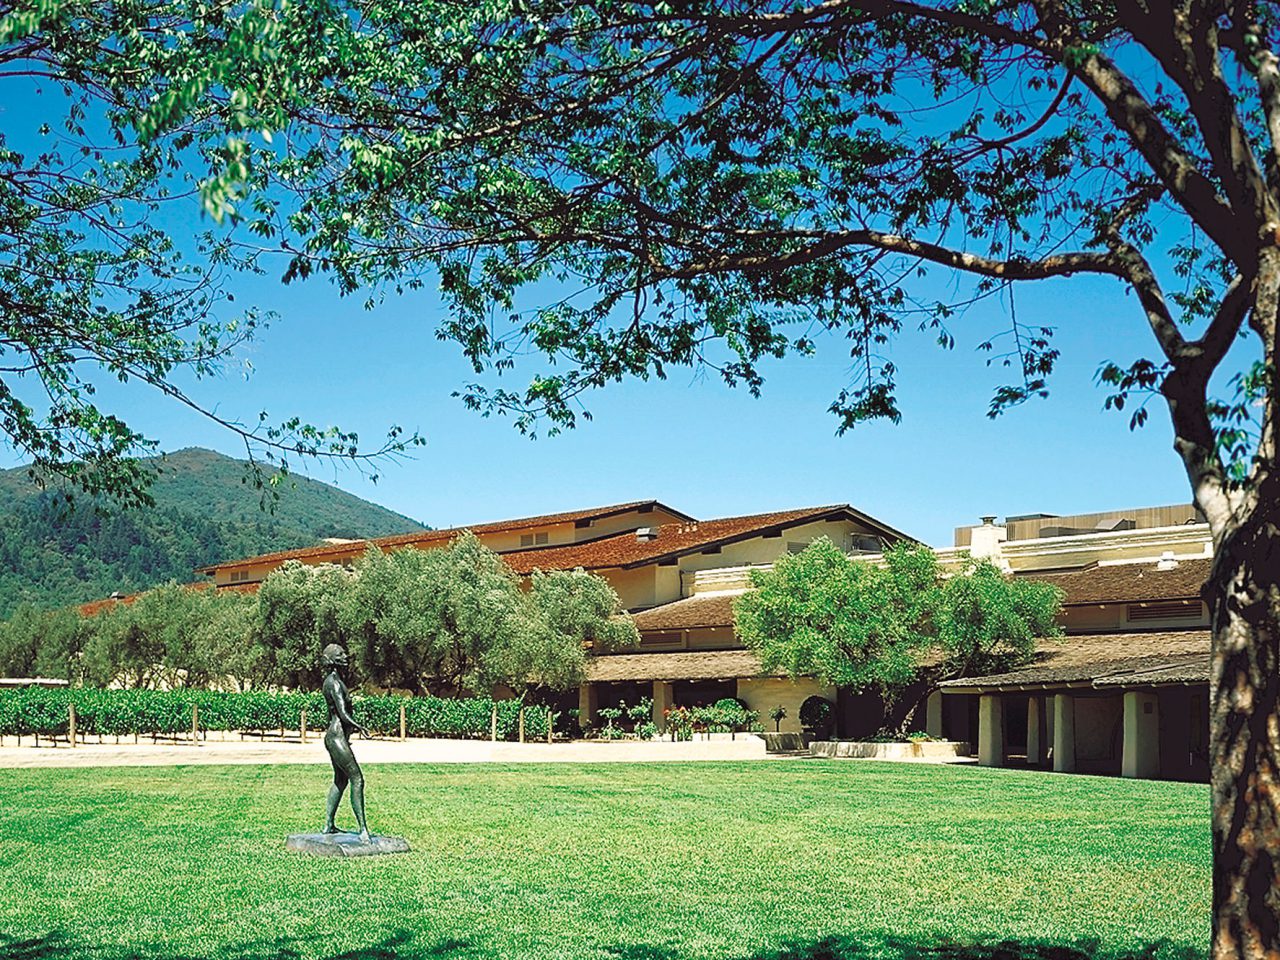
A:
298	612
568	615
987	621
427	619
823	614
887	625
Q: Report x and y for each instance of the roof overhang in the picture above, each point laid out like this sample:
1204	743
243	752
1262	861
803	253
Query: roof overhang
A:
843	512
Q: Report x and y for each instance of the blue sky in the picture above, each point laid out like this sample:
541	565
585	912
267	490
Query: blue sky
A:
690	441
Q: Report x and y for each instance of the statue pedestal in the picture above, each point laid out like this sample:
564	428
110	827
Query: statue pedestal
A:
344	844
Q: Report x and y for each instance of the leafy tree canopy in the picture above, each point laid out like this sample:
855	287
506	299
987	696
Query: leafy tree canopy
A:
93	286
988	622
626	187
429	617
822	613
298	613
458	619
566	611
873	625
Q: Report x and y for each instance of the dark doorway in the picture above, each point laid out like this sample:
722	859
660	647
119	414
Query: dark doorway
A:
703	693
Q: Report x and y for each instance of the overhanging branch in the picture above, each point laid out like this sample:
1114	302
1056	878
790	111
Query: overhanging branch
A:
1056	265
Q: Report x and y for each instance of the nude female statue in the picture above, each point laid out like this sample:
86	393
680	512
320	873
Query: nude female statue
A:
337	741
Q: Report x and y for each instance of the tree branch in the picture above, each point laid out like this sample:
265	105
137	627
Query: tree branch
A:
1056	265
1225	326
1177	169
1183	40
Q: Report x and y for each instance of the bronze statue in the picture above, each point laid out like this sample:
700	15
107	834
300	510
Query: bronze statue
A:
346	773
337	741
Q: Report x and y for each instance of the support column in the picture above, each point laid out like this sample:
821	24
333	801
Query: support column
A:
1035	731
990	730
1141	757
933	715
588	700
663	697
1064	733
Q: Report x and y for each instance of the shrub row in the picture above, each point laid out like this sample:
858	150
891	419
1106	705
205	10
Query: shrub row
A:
168	712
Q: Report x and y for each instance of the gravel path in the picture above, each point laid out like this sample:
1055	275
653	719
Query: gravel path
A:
216	751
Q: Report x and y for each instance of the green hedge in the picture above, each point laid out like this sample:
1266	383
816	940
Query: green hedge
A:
168	712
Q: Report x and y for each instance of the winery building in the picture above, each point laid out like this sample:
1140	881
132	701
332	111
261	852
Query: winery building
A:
1124	692
677	575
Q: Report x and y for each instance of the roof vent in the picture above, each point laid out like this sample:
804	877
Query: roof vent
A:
1167	561
647	533
1121	523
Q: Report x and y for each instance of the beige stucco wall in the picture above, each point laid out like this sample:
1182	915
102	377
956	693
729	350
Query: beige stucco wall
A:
256	574
768	549
636	588
766	693
510	540
666	583
711	638
1114	617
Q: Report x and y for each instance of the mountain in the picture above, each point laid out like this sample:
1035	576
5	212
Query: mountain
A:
204	512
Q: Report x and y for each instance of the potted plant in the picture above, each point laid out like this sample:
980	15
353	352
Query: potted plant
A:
777	715
817	717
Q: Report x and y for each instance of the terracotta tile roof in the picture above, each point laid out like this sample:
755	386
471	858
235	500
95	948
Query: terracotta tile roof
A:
1130	582
677	539
700	610
1111	659
686	665
97	606
340	551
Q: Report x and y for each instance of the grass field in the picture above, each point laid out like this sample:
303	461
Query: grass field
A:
775	861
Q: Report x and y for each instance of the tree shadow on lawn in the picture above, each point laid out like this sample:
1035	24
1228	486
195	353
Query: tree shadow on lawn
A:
404	946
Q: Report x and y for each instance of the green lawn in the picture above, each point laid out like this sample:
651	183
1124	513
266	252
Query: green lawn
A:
821	860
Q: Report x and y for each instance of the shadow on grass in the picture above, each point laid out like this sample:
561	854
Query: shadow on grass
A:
405	946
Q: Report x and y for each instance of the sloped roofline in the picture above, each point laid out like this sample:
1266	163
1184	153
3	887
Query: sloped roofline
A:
818	513
445	533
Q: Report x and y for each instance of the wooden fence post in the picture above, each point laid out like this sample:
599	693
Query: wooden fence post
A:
549	723
71	723
302	725
195	722
493	724
403	726
522	723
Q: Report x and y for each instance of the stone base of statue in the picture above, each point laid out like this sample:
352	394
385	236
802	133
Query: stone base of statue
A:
345	844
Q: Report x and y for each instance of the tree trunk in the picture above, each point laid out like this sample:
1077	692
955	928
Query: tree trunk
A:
1244	597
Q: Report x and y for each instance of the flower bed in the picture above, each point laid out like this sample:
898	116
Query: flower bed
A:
909	750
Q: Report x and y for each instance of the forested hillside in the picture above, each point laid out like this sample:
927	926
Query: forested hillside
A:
51	555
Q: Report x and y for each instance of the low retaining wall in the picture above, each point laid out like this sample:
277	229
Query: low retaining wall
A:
925	750
783	742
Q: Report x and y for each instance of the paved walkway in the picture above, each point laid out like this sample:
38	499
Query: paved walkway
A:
146	754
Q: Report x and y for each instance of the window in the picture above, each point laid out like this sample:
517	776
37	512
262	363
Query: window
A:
534	539
664	639
793	547
1175	610
239	576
